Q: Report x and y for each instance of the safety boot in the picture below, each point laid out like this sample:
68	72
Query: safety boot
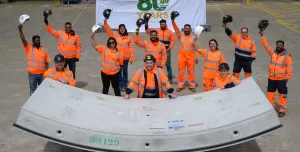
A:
193	89
179	89
281	114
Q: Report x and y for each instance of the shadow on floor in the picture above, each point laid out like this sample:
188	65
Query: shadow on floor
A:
81	84
250	146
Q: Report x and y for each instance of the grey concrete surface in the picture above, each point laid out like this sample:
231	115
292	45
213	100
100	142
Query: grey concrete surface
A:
14	77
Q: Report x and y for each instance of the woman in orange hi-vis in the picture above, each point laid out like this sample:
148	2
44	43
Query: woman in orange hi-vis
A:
224	80
148	81
59	73
280	71
111	62
125	44
213	57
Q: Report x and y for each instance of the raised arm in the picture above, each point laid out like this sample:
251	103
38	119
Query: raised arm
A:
22	36
131	49
172	40
108	30
229	33
138	40
52	31
177	30
265	44
147	29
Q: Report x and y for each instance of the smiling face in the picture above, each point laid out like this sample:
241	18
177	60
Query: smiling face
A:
122	30
59	65
149	64
111	43
213	45
223	72
153	36
68	28
163	25
244	32
279	46
187	30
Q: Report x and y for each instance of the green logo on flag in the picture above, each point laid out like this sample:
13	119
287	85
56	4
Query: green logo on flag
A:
146	5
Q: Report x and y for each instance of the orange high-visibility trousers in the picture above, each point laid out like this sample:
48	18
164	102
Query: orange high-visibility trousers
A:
207	84
184	62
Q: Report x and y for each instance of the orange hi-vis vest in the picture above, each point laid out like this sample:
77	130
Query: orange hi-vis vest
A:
36	59
64	76
138	81
158	50
111	61
166	36
212	59
125	43
220	82
245	48
280	66
69	46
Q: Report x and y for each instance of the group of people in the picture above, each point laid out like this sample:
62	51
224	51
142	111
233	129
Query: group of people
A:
148	80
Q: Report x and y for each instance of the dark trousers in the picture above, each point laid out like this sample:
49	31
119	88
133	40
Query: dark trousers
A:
279	85
71	63
168	64
34	81
114	80
245	65
123	76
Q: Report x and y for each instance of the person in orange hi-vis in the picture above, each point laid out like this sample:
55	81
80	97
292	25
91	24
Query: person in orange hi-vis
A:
125	44
245	51
280	71
148	81
37	60
59	72
213	57
153	46
111	63
223	79
187	56
166	36
69	44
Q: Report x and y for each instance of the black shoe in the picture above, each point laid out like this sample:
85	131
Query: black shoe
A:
281	114
193	89
170	80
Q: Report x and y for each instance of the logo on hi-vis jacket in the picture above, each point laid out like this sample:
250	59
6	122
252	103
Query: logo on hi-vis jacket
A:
158	6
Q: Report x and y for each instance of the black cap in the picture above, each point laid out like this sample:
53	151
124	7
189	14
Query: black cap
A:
150	57
59	58
223	66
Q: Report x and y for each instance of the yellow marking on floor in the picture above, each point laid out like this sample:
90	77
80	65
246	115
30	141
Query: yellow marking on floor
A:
282	22
295	27
293	13
264	9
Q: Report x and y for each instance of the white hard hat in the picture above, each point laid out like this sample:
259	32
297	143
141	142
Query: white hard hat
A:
23	18
96	28
197	30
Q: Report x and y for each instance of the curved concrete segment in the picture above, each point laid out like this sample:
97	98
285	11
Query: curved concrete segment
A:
93	121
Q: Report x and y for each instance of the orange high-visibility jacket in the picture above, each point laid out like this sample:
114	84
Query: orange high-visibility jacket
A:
212	59
36	59
69	46
186	48
280	65
245	48
111	60
125	43
166	36
138	81
64	76
158	50
220	82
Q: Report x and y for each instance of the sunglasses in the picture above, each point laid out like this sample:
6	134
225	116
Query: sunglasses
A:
111	42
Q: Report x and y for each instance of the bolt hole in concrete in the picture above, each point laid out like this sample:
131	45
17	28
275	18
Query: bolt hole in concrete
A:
235	133
147	145
59	132
147	115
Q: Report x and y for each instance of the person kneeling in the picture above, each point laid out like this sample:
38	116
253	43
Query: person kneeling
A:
149	80
224	80
59	73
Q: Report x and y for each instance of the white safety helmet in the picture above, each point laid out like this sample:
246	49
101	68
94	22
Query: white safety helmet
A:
197	30
96	28
23	18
